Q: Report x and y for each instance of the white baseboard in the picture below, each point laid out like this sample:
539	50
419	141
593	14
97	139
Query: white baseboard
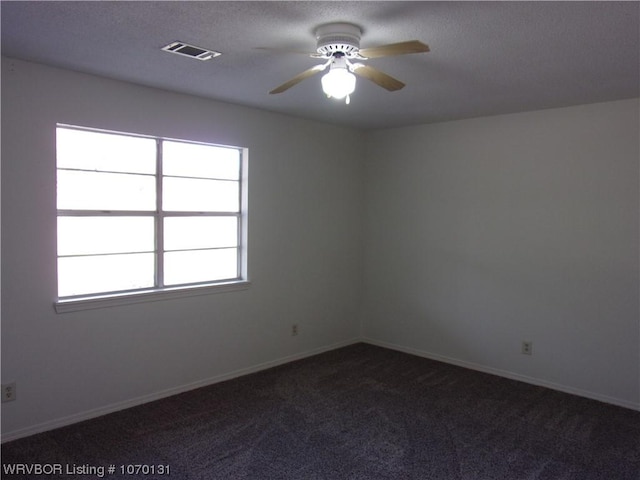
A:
507	374
114	407
98	412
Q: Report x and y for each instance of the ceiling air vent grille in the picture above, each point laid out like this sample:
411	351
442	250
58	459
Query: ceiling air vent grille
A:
192	51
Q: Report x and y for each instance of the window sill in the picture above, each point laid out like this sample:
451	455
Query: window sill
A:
128	298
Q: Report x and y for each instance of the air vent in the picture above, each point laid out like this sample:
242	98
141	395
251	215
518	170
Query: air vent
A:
192	51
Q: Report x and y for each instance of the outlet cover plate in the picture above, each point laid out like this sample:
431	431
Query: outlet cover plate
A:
8	392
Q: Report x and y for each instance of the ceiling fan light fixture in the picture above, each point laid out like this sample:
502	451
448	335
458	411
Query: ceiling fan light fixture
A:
338	44
339	83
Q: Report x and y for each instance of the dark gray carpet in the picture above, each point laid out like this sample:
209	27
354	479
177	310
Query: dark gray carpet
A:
360	412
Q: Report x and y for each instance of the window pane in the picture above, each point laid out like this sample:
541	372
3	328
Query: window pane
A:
205	161
105	151
200	266
184	233
86	235
105	191
190	195
104	273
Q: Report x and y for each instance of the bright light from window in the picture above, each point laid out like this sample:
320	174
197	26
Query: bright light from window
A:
121	229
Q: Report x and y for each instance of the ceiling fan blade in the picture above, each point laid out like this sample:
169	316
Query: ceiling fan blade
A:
376	76
298	78
402	48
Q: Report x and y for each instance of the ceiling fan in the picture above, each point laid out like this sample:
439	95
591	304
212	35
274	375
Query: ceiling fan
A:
339	45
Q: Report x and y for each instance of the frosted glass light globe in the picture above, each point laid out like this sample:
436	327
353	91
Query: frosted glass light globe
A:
338	83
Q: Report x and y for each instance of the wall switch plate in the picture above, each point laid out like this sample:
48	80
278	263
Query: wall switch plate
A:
527	348
8	392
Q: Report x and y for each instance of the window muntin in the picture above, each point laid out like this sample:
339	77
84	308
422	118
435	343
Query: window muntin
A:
141	214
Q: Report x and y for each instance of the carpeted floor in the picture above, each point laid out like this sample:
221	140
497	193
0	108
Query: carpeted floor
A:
360	412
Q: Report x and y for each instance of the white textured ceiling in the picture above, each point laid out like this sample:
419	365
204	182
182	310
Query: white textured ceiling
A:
486	57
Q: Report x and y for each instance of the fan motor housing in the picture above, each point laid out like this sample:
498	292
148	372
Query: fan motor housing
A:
338	38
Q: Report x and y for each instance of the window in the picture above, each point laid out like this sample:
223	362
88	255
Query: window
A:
147	215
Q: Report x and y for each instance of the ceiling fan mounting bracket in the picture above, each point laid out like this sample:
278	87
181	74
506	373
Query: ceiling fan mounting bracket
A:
335	38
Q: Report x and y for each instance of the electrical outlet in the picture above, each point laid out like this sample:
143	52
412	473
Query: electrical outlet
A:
294	330
527	347
8	392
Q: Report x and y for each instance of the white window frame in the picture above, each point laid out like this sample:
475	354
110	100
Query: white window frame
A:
159	291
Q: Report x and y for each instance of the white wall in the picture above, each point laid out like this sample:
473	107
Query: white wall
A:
476	235
486	232
305	204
